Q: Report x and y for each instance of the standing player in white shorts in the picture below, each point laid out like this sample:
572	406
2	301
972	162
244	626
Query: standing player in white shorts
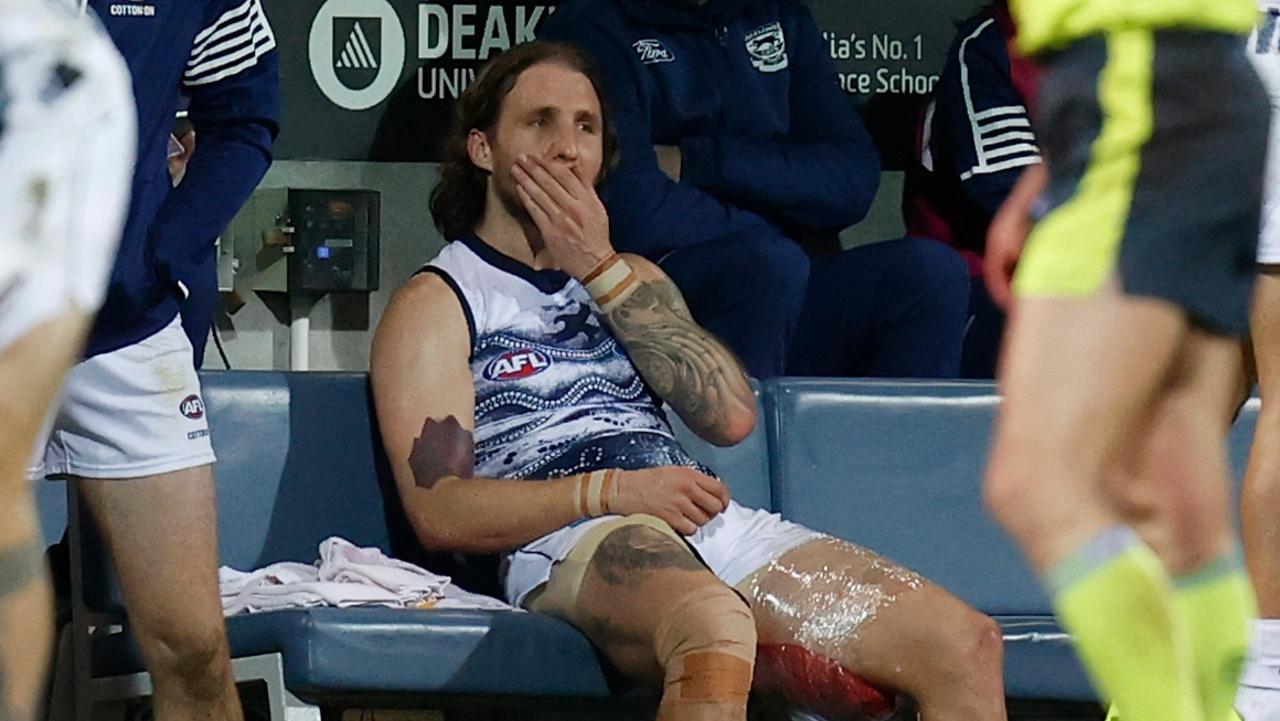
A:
1259	697
517	381
131	431
67	133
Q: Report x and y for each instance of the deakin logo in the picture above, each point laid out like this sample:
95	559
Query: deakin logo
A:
357	50
517	364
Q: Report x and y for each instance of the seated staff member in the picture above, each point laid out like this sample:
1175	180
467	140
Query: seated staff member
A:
974	141
517	382
741	160
67	136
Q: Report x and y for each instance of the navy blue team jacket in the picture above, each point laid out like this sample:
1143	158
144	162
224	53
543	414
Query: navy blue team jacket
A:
977	140
747	90
221	55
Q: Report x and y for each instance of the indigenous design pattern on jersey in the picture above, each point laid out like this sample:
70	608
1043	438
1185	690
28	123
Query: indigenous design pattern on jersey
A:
555	393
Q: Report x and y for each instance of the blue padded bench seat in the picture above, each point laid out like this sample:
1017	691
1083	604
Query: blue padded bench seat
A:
299	460
898	467
894	466
328	651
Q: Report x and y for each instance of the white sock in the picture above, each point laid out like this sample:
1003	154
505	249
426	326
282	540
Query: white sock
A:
1259	696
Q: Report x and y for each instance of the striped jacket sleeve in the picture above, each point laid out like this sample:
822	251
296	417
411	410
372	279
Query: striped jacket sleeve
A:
234	41
982	119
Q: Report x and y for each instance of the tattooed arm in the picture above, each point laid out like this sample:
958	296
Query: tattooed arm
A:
425	401
687	366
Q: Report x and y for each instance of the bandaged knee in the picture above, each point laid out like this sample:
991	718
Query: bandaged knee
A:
706	644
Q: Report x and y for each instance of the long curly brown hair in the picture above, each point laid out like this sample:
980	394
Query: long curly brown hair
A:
457	202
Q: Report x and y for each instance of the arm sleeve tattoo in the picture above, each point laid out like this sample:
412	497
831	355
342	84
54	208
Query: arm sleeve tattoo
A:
685	364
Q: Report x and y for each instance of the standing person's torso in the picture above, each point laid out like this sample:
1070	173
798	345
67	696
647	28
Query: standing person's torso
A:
163	42
555	393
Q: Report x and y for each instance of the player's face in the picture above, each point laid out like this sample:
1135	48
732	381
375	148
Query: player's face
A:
552	112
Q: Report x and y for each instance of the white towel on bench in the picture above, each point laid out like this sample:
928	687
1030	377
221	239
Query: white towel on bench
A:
345	576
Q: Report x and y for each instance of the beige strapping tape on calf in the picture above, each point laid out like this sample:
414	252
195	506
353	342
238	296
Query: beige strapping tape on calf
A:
559	596
707	644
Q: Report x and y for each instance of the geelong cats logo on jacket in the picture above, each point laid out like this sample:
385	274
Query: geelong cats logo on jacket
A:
767	47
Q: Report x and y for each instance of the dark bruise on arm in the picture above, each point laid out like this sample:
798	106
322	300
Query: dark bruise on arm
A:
443	449
687	366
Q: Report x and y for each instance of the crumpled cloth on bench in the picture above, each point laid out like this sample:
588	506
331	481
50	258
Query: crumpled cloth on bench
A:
346	576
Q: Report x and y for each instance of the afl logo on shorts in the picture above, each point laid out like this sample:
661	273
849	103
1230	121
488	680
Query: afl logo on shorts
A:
516	364
192	407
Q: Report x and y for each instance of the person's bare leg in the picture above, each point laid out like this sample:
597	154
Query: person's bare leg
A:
31	372
1079	375
1182	474
1172	482
884	623
661	617
1259	699
162	535
1261	497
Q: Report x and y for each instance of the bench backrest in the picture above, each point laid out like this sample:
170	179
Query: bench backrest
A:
895	466
898	467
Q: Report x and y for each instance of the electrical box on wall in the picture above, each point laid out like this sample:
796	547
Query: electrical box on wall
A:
334	240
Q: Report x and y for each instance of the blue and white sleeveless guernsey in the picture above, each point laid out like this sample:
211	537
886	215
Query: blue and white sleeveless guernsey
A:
555	393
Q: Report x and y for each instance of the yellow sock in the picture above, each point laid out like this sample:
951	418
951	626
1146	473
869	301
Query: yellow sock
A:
1217	606
1116	599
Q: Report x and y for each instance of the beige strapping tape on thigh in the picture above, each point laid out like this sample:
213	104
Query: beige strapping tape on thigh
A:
559	596
707	644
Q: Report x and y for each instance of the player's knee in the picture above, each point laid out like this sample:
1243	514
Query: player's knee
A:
191	655
978	640
968	653
706	647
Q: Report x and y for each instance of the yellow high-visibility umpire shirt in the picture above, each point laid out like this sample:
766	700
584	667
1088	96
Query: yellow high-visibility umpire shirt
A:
1051	24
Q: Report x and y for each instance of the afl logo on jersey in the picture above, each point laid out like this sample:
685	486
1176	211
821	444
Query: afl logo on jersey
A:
516	364
192	407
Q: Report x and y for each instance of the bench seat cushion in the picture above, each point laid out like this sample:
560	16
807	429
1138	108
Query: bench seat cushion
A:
330	651
374	650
